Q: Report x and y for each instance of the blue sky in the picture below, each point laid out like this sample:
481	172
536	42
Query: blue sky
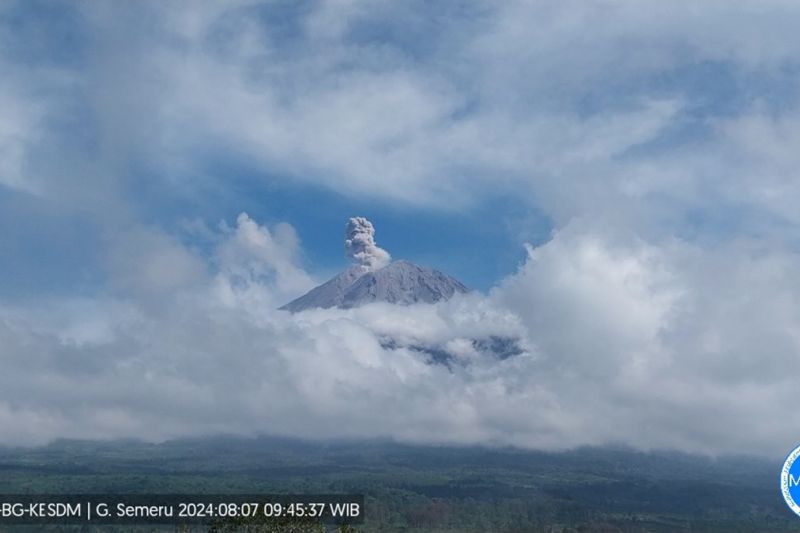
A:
618	179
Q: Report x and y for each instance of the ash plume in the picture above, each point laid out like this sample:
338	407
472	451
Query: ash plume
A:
360	247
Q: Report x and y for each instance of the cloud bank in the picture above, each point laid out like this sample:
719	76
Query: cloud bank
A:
622	343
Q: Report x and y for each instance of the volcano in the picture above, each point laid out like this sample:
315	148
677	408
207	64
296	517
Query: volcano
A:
375	278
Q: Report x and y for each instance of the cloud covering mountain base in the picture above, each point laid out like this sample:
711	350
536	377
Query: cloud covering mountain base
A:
621	343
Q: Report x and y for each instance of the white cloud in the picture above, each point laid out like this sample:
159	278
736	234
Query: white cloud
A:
671	345
547	102
636	343
256	262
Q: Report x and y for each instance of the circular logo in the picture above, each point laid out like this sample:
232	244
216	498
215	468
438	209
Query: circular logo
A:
790	481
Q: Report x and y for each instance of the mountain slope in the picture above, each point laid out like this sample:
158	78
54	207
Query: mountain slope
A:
399	282
404	283
327	295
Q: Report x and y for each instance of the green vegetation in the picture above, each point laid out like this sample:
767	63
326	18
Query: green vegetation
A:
411	488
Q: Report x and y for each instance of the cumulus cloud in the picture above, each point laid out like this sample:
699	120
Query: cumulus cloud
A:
256	260
360	247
